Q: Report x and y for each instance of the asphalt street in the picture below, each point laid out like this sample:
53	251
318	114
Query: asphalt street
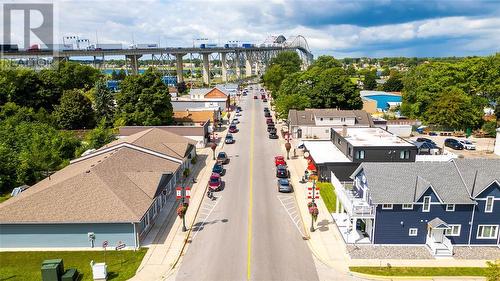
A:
249	234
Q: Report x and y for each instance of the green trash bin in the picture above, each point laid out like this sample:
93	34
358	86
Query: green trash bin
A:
50	272
70	275
59	262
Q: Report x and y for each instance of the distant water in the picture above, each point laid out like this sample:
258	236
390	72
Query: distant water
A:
110	71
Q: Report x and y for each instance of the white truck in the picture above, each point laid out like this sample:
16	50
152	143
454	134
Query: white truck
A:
143	46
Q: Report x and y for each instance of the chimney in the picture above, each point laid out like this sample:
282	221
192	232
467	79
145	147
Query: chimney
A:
344	130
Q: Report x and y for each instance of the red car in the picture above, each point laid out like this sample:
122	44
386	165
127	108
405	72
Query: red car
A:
269	120
279	160
255	97
214	182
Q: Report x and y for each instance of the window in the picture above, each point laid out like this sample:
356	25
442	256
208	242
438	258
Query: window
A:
386	206
427	204
360	154
454	230
350	151
331	118
404	154
488	208
320	119
413	231
342	119
450	207
407	206
339	141
487	231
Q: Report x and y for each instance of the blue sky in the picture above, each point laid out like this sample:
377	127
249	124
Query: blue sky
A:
340	28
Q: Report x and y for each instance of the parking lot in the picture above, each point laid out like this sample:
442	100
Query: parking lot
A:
484	146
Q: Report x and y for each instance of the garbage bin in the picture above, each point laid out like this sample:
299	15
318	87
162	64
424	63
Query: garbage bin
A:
70	275
59	262
50	272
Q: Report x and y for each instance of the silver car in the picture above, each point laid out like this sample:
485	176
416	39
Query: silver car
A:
284	185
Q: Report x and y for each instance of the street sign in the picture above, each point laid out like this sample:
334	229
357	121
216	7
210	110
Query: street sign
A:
310	193
105	244
178	192
120	246
188	192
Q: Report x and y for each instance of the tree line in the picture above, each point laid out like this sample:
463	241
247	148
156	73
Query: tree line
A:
41	113
325	84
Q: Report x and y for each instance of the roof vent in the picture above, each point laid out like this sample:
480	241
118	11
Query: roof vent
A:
92	165
88	171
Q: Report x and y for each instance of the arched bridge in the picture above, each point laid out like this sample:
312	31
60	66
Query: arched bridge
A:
252	58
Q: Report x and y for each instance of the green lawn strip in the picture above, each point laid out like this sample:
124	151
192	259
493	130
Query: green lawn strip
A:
328	195
4	196
122	265
420	271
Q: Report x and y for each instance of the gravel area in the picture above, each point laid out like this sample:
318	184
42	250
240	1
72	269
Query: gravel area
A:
477	253
388	252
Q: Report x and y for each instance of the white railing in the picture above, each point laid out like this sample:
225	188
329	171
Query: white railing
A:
429	241
352	204
447	243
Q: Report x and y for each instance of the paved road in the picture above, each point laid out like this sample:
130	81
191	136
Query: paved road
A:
249	234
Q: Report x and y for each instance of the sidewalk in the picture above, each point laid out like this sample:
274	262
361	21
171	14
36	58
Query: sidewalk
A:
169	242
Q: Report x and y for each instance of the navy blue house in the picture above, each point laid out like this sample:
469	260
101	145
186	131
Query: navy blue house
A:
437	204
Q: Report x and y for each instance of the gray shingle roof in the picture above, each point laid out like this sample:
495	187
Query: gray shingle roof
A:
399	183
306	117
438	223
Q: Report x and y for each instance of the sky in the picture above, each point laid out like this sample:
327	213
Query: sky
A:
379	28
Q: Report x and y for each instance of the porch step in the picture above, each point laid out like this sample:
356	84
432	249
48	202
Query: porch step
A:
443	253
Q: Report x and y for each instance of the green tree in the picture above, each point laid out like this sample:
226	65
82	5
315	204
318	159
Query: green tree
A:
75	111
273	78
326	62
97	138
394	83
182	88
455	110
144	100
289	61
103	102
370	82
334	89
294	101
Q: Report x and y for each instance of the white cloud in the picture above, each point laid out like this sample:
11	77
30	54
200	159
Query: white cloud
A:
176	23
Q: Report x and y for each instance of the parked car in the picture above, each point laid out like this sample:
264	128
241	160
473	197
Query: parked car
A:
269	120
270	127
453	143
229	139
433	134
263	96
284	185
273	135
239	108
425	140
222	158
255	97
264	100
266	109
281	172
279	160
233	129
218	169
267	114
467	144
235	121
214	182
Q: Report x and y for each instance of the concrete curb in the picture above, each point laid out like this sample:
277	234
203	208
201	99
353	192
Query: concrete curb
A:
380	277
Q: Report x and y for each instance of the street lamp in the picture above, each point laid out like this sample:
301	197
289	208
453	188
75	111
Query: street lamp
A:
213	146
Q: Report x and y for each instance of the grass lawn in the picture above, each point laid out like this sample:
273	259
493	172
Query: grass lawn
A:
421	271
25	266
4	196
328	195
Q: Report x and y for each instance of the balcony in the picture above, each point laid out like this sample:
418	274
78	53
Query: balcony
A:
353	203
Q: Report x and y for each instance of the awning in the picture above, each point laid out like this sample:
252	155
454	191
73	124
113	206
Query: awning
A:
438	223
311	166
